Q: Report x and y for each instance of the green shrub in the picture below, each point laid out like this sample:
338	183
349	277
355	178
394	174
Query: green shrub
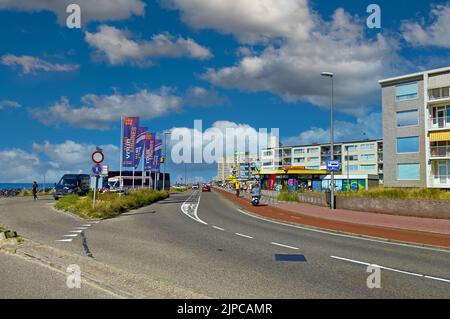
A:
25	192
401	193
109	205
288	196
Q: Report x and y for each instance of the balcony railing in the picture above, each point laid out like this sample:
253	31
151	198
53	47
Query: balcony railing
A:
440	151
440	122
440	181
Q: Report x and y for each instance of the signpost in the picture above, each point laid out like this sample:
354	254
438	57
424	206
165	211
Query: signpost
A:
333	166
97	169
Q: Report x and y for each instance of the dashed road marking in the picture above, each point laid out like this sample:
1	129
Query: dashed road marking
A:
76	231
219	228
285	246
391	269
65	240
72	235
245	236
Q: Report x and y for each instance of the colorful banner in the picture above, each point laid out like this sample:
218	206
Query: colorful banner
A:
139	147
156	156
130	126
149	151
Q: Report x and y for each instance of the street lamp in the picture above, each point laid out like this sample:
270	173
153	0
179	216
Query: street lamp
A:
331	76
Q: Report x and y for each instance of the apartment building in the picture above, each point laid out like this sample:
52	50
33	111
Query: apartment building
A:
416	129
357	157
239	165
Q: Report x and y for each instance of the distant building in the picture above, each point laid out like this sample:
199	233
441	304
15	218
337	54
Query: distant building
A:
416	129
239	165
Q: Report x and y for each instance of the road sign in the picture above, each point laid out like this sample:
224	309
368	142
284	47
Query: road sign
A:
96	170
98	157
105	170
333	166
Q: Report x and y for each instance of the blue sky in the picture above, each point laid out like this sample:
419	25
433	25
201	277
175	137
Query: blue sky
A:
63	90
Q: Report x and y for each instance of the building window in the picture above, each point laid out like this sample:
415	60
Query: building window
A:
367	146
408	118
351	158
299	151
299	160
267	164
313	150
406	91
439	93
352	167
408	172
314	159
267	153
351	148
370	168
368	157
408	144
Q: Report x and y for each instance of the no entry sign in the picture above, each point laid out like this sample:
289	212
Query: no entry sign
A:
98	157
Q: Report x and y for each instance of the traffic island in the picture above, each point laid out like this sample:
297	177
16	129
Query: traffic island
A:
282	215
109	205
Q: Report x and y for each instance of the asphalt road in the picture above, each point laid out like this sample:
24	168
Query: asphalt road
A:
204	243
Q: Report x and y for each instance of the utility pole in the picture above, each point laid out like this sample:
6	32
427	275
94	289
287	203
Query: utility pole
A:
331	75
165	159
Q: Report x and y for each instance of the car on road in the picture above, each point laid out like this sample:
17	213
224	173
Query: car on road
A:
195	186
206	188
72	184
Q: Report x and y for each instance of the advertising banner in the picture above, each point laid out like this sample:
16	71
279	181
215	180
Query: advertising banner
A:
149	151
130	126
156	156
139	146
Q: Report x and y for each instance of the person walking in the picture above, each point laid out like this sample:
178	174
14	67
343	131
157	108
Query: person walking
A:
238	188
34	190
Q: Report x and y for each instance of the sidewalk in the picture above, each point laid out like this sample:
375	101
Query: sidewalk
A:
404	228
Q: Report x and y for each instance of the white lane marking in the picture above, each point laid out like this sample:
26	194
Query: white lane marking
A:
87	225
65	240
82	228
76	231
73	235
190	209
219	228
242	235
285	246
391	269
344	235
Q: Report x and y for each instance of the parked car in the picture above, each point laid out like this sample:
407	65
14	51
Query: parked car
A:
72	184
206	188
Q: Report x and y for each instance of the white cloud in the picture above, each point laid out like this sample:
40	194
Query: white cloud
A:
98	10
117	47
199	96
52	160
98	111
366	127
435	34
292	69
250	21
9	104
32	64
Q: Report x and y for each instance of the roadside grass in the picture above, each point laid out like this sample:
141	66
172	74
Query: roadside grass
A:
179	188
400	193
109	205
27	192
288	196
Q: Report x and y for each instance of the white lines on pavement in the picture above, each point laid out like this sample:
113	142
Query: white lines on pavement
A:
386	242
76	231
285	246
189	208
73	235
391	269
82	228
245	236
219	228
87	225
65	240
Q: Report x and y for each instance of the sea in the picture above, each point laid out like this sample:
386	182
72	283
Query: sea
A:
16	185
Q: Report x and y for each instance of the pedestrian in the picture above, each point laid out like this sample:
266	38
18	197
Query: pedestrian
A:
34	190
238	188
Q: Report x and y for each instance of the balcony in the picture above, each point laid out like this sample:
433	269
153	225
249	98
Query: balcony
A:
437	123
442	181
440	151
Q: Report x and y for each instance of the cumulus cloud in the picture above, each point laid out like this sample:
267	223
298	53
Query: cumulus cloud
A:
52	160
250	21
99	10
118	47
292	69
98	111
369	126
9	104
434	34
30	64
199	96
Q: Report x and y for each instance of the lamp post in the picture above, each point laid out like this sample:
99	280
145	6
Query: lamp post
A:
331	76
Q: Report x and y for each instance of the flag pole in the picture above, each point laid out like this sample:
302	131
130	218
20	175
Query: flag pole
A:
121	152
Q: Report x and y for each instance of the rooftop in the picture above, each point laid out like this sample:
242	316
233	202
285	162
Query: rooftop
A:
413	75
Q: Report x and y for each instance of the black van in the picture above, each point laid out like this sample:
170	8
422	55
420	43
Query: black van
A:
72	184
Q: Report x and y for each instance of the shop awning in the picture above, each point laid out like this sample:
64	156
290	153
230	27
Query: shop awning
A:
439	136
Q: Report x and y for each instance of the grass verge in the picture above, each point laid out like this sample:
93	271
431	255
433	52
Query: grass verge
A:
179	188
288	196
401	193
109	205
